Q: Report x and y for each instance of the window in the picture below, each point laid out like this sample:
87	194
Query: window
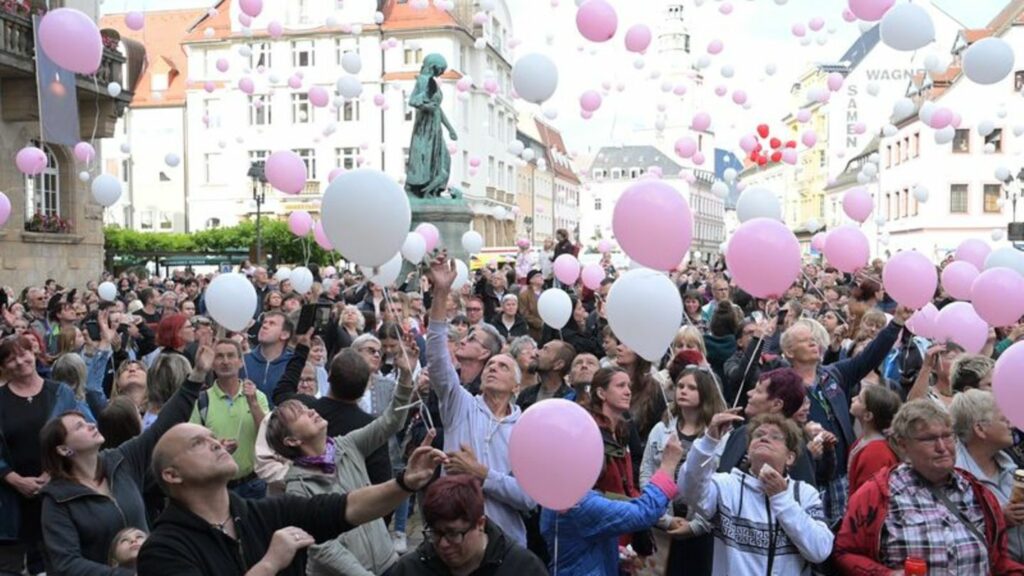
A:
491	122
211	111
259	110
905	201
501	175
597	203
962	141
906	148
992	193
413	56
598	174
491	176
300	109
166	221
501	126
995	139
349	111
300	12
634	173
464	61
888	156
258	156
896	157
308	156
146	220
616	173
211	169
510	179
260	55
888	207
126	170
346	157
42	192
958	198
915	145
303	55
465	165
1018	80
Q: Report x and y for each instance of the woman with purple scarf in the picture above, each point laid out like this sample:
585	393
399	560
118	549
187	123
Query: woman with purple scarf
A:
324	465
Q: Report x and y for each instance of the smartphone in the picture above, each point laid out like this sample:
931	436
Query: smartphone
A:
315	316
92	327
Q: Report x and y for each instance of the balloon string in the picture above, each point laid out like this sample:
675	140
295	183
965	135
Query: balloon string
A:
554	561
839	314
424	408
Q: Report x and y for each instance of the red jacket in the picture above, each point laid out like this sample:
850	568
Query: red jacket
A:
866	462
859	539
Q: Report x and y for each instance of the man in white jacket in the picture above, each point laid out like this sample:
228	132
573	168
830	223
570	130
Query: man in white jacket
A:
763	521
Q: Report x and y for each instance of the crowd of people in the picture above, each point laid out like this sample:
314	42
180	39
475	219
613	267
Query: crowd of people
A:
813	434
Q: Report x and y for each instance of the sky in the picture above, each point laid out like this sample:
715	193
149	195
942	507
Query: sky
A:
756	36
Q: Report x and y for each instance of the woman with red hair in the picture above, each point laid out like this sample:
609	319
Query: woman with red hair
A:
173	334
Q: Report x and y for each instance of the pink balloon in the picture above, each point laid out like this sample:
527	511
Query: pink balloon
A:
593	275
223	65
910	278
567	269
857	204
959	323
803	115
725	8
319	97
941	118
245	20
251	8
464	84
590	101
286	171
720	90
923	322
818	242
816	23
715	46
275	29
597	21
30	160
763	257
321	237
957	279
134	21
809	138
295	81
209	86
5	208
245	84
491	86
701	121
576	459
799	30
474	162
1007	385
847	249
430	234
604	246
84	152
72	40
835	81
849	16
739	97
300	223
697	159
330	271
334	174
974	251
378	100
870	10
638	38
998	296
748	143
789	156
653	224
686	147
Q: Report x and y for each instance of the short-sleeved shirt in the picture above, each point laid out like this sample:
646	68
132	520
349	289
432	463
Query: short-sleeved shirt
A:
230	419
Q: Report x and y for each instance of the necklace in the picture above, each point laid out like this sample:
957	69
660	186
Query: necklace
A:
221	526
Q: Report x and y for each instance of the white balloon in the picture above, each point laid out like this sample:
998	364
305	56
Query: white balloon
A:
528	154
366	216
349	87
107	291
907	27
1007	257
126	148
302	279
945	136
997	234
84	176
889	130
461	275
1002	173
720	189
927	109
920	194
387	274
516	148
172	159
414	248
352	62
473	242
231	301
114	89
106	190
555	307
645	312
988	61
986	127
283	273
757	202
902	108
535	78
1018	130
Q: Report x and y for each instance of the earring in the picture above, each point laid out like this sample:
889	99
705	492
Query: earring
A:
68	452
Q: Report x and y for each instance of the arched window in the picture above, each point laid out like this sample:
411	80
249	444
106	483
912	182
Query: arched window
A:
42	192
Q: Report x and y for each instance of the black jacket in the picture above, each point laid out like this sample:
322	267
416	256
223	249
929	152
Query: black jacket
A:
501	558
79	524
528	397
183	544
519	327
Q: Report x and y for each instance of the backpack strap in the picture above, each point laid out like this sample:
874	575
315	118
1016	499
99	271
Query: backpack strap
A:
204	407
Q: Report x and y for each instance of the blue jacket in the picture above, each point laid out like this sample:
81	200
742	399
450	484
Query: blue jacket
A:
262	373
588	533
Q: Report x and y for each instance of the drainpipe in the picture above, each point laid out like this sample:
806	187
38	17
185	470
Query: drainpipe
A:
185	162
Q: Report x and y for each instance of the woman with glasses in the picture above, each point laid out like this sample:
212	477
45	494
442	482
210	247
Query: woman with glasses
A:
696	400
984	435
459	539
925	509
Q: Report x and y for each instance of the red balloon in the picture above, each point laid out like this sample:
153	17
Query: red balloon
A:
754	156
758	148
776	143
776	156
762	161
762	129
791	144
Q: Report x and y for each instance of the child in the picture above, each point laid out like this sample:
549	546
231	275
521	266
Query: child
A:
874	408
124	550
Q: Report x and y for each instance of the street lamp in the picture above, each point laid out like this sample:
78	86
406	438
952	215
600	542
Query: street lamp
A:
259	195
1013	193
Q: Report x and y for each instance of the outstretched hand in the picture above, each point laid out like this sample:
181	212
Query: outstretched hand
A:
442	273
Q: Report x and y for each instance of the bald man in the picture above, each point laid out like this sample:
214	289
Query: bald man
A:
208	530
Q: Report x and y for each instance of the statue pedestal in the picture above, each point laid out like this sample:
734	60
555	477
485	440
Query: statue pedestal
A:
452	218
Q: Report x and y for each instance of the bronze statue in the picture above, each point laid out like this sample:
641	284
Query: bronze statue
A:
429	166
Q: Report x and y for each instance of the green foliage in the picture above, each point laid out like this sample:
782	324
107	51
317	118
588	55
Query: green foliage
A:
278	242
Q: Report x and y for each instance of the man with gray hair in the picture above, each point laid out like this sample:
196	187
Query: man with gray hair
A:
477	427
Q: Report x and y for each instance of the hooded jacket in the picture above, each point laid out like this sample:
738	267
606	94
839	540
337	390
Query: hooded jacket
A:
502	557
263	373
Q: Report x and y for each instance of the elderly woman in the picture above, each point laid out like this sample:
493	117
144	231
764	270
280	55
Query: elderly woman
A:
764	521
984	434
507	320
971	371
925	508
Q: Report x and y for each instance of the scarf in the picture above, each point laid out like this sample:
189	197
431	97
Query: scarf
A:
323	462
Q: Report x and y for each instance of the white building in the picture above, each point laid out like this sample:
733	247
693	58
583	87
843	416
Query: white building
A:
225	130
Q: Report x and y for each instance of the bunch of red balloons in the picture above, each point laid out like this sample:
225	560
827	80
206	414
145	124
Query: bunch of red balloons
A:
765	148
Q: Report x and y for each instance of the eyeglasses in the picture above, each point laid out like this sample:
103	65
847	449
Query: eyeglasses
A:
935	439
373	351
454	537
474	309
311	379
769	435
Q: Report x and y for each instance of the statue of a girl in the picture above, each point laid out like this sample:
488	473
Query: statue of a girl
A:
429	163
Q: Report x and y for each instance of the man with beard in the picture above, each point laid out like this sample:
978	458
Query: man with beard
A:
551	365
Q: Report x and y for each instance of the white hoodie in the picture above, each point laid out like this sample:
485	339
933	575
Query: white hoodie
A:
743	518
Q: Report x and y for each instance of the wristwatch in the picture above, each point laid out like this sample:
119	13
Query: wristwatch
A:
400	480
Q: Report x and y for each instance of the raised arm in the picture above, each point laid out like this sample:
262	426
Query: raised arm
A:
288	386
376	434
853	370
444	381
695	476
